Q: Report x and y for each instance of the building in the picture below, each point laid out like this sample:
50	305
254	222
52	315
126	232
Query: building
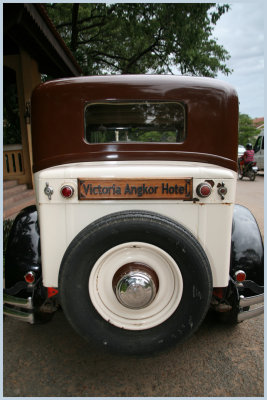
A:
258	123
32	48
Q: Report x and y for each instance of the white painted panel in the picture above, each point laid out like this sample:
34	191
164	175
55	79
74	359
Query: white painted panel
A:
214	234
209	220
53	237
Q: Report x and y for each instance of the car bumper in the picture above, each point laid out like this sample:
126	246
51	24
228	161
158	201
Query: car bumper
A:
245	302
18	308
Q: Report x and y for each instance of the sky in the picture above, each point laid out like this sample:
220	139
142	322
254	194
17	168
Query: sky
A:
241	32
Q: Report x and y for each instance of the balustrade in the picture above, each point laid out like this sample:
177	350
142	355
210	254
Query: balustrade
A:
13	165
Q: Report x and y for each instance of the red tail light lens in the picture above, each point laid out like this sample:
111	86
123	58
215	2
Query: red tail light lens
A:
30	277
67	191
204	189
240	276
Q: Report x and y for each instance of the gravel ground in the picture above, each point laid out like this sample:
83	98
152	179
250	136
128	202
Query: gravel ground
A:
51	360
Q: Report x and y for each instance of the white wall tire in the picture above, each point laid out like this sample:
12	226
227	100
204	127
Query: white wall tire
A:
178	262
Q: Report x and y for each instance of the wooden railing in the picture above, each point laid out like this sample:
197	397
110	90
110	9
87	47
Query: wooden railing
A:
13	162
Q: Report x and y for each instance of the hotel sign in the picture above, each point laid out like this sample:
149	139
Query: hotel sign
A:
135	189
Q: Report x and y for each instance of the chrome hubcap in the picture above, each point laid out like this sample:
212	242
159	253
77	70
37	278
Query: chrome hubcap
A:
135	285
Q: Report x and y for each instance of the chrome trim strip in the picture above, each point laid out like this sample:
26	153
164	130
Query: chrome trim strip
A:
250	301
20	315
243	315
21	303
18	302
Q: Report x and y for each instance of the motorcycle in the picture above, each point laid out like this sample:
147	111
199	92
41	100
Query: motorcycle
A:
250	170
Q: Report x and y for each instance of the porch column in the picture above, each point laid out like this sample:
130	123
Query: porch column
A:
27	77
31	78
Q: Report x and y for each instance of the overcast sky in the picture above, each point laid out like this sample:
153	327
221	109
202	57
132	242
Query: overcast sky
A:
241	32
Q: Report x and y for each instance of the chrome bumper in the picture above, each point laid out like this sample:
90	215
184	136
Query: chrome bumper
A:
250	301
16	307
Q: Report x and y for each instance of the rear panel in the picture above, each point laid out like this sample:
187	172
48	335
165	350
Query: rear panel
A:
208	219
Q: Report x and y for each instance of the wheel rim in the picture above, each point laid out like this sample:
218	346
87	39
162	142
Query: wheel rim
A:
251	175
135	286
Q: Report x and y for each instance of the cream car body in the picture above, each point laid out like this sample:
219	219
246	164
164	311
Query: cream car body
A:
209	219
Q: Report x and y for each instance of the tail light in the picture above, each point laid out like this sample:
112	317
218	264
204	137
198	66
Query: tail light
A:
67	191
29	277
204	189
240	276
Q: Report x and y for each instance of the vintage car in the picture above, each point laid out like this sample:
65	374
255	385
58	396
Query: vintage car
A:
136	234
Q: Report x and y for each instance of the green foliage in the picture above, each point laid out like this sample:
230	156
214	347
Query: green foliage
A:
142	38
247	133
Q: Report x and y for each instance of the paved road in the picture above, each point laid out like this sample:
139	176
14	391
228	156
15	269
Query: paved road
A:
51	360
250	195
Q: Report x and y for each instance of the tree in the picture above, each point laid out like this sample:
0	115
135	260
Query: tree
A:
247	132
142	38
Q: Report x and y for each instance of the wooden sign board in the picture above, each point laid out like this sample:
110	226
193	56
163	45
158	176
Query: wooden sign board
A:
135	189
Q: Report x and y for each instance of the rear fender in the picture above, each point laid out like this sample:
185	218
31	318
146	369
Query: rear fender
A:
23	253
247	252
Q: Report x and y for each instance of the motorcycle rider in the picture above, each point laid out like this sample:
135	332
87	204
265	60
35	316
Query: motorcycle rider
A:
247	157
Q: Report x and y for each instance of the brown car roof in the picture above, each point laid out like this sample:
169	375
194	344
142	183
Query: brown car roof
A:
58	119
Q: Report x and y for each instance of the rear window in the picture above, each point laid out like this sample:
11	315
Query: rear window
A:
135	122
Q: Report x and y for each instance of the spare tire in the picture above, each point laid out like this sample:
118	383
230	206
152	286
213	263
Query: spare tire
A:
135	281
